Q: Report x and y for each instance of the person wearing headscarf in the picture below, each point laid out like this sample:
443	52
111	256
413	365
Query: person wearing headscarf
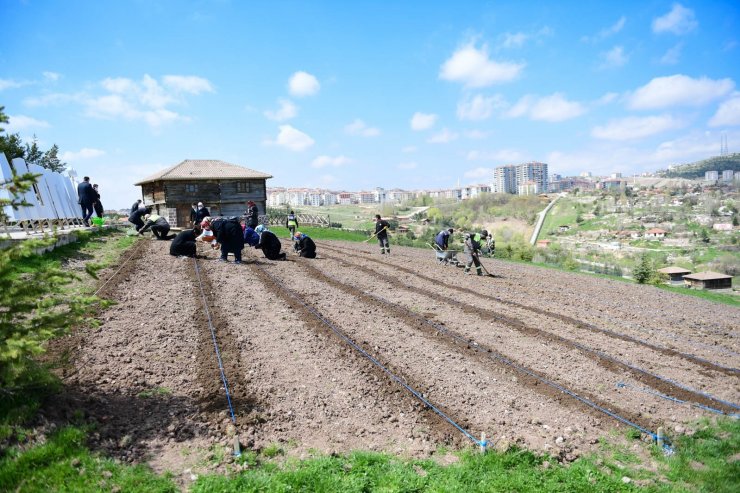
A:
304	245
201	212
269	243
228	233
184	242
252	214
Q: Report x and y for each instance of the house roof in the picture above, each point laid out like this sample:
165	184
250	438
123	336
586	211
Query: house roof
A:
203	169
674	270
656	231
707	276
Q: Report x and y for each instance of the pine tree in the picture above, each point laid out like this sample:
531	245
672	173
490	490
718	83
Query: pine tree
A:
644	271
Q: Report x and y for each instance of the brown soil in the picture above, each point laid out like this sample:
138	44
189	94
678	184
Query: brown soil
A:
320	356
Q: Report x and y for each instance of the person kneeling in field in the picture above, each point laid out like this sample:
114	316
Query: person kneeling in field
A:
184	242
304	245
269	243
159	226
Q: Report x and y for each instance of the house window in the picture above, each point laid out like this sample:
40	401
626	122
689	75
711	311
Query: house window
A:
242	186
191	187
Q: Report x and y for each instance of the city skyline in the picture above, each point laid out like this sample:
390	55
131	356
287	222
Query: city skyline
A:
353	96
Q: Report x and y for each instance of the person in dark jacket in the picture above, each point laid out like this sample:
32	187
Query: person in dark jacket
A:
135	207
472	248
443	238
98	205
228	233
304	245
291	222
201	212
193	215
136	216
381	231
269	244
184	242
252	214
159	226
86	199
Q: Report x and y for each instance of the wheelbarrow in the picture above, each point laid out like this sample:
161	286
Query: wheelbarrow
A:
445	257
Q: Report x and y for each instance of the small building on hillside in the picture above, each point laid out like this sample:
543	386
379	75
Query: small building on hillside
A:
655	233
222	187
708	280
543	243
675	274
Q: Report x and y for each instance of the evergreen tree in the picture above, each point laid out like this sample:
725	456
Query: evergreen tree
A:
51	161
644	271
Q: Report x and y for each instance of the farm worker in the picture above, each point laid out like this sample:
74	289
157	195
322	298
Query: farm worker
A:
201	212
86	199
304	245
136	216
184	242
193	211
443	238
251	237
381	231
228	233
472	247
252	215
269	243
97	205
135	207
159	226
292	223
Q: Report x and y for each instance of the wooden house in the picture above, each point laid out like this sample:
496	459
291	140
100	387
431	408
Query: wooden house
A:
675	274
222	187
708	280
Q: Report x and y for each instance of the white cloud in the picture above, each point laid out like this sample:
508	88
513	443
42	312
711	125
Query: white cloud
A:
679	90
187	83
303	84
631	128
51	76
479	107
679	20
358	127
609	31
286	111
84	153
607	98
409	149
292	138
514	40
614	58
323	161
423	121
407	165
477	173
476	134
673	55
552	108
474	68
23	122
443	137
502	156
728	113
9	84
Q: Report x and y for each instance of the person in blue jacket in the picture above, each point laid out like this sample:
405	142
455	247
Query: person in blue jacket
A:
443	238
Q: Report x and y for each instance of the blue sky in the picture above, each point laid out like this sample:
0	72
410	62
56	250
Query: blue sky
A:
354	95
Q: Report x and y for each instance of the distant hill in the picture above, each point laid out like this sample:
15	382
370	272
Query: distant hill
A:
697	169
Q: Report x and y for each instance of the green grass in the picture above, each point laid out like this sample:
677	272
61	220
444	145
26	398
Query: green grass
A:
726	299
701	463
63	463
318	233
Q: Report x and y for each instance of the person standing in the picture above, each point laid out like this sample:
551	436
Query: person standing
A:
443	238
229	234
304	245
194	214
472	248
381	231
98	205
252	214
86	199
201	212
184	242
292	223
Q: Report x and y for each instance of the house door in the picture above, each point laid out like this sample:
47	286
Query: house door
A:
183	215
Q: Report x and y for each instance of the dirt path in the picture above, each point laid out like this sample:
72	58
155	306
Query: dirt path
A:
297	339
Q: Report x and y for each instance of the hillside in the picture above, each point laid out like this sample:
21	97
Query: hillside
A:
698	168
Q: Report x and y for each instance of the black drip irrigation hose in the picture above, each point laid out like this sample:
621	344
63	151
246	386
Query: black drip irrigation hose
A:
215	347
622	385
481	443
474	345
